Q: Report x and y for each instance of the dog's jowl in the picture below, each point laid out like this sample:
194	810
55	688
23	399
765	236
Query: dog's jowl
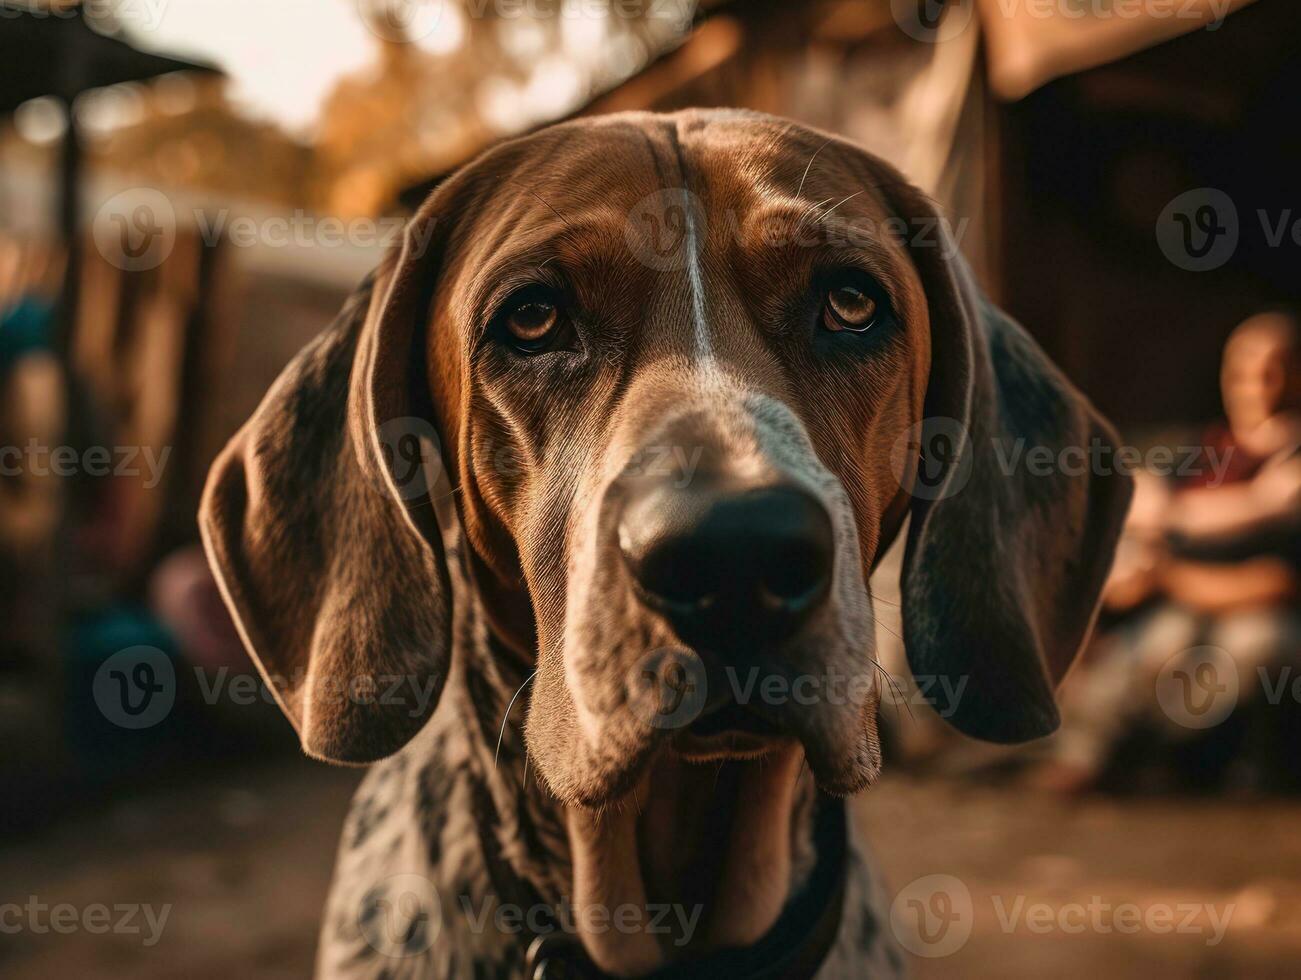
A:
668	386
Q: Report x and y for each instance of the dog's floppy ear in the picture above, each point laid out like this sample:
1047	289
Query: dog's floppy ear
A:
318	522
1015	513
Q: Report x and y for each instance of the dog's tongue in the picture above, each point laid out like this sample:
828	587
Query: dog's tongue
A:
711	844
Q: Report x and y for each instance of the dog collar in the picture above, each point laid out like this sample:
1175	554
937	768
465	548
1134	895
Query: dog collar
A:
793	949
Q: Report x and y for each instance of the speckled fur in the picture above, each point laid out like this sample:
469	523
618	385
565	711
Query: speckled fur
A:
437	807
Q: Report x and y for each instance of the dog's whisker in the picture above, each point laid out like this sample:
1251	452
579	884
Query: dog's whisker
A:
827	214
804	215
810	166
898	613
883	626
505	717
895	689
551	209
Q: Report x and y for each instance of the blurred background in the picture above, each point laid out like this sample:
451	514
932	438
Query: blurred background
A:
190	188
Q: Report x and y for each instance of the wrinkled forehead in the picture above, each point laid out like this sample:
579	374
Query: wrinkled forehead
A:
646	201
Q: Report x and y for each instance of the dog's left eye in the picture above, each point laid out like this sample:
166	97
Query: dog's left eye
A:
530	320
847	306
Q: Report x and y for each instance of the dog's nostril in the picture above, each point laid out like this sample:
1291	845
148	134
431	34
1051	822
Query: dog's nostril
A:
727	559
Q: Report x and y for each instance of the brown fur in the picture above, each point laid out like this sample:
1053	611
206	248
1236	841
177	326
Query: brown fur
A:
333	571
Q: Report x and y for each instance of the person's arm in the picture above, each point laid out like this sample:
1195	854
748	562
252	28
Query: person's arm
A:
1029	43
1210	518
1259	583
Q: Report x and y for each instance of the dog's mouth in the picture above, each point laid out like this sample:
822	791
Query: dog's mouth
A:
716	844
729	731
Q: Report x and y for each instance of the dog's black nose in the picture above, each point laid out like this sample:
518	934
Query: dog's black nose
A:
727	566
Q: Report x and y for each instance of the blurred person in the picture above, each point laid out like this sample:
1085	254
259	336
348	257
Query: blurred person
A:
32	412
1208	561
31	396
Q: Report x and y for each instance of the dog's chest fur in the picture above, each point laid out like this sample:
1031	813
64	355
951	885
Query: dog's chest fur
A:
444	834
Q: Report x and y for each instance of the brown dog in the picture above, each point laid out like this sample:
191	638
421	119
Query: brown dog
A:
686	376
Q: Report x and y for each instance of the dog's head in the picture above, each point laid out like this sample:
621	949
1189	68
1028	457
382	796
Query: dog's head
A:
687	374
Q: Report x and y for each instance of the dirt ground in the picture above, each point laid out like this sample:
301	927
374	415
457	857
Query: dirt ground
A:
244	858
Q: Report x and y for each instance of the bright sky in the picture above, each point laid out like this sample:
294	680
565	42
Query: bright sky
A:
283	56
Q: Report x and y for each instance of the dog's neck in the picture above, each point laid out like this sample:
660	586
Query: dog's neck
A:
719	846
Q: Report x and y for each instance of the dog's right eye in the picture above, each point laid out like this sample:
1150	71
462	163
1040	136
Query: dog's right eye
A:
531	319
